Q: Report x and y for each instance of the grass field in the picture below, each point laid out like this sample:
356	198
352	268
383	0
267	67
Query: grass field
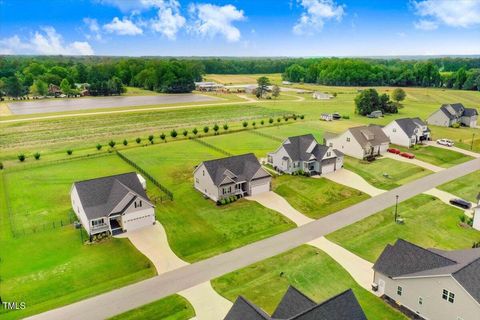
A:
308	269
428	223
229	79
173	307
385	173
196	227
466	187
316	198
437	156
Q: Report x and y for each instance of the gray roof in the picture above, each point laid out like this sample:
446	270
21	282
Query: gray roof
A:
296	306
100	196
459	110
243	167
470	112
408	125
405	259
298	148
372	135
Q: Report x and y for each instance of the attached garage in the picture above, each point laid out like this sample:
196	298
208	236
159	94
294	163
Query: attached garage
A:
139	219
328	166
260	186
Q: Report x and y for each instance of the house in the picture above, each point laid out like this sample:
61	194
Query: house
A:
407	132
54	90
430	283
208	86
112	204
326	117
476	217
450	114
365	142
296	305
304	153
232	176
321	96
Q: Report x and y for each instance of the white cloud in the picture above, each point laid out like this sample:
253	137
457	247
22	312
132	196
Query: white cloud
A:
93	27
316	12
212	20
458	13
47	41
124	27
169	20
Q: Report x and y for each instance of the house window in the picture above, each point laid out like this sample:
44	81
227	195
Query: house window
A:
448	296
330	144
420	300
203	172
196	180
138	204
348	139
238	186
394	130
97	222
329	154
399	290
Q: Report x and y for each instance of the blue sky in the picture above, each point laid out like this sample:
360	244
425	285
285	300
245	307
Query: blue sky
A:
240	28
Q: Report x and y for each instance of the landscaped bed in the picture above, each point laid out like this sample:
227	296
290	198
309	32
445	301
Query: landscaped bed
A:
428	222
466	187
308	269
316	198
437	156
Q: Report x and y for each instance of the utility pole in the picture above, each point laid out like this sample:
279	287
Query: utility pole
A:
473	139
396	207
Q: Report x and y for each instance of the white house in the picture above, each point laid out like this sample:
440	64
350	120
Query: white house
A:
407	132
112	205
476	217
449	114
363	142
321	96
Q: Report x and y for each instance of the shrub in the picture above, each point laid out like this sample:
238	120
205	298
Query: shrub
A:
69	152
195	131
112	144
334	94
138	140
245	124
227	200
456	125
1	165
270	120
98	146
286	119
223	202
294	117
225	127
254	124
346	117
279	119
302	116
463	218
205	129
215	128
185	132
262	122
36	155
21	157
125	142
173	133
163	136
150	138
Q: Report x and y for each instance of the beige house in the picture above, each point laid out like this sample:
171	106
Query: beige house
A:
431	283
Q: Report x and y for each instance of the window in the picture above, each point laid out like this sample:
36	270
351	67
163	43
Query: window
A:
97	222
330	144
420	300
196	180
203	172
448	296
348	139
138	204
394	130
399	290
329	154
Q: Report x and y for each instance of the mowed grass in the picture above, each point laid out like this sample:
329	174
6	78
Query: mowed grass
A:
242	78
428	223
385	173
316	198
308	269
173	307
196	227
437	156
466	187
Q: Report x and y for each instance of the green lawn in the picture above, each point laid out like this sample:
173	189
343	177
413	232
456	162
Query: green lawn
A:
437	156
467	187
195	226
428	222
316	198
308	269
173	307
385	173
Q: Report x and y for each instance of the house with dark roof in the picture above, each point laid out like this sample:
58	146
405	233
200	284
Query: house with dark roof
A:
113	204
238	176
407	132
304	153
450	114
297	306
431	283
365	142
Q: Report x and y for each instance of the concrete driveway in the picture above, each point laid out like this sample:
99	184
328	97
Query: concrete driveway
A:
208	304
457	149
352	180
445	197
416	162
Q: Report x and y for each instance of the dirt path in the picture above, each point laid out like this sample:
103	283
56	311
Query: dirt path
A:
416	162
353	180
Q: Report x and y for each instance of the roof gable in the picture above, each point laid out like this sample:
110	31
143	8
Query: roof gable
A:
304	148
243	309
372	135
293	302
237	168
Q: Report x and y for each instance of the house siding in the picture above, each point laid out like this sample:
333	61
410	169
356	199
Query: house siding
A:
439	118
78	209
351	148
397	135
278	162
204	183
135	218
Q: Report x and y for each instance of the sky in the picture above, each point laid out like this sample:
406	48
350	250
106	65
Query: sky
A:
240	28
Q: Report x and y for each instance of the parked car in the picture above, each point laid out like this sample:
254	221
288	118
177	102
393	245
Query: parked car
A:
445	142
407	155
336	116
461	203
375	114
393	150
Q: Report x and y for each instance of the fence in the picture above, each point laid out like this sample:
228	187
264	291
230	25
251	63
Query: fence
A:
18	232
147	175
266	135
211	146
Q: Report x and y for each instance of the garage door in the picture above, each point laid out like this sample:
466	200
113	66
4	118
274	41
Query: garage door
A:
328	167
265	187
137	221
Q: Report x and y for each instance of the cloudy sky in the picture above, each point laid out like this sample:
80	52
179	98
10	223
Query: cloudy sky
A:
240	28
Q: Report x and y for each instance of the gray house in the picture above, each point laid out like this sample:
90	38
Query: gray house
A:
113	204
431	283
296	305
232	176
449	114
306	154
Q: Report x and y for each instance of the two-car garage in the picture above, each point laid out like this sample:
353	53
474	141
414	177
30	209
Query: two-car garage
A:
260	186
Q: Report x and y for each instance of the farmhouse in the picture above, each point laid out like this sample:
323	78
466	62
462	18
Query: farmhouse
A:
431	283
450	114
407	132
296	305
304	153
365	142
113	204
233	176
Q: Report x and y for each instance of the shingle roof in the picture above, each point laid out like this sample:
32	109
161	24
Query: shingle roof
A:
372	134
459	110
470	112
408	125
299	148
101	195
292	303
243	309
244	167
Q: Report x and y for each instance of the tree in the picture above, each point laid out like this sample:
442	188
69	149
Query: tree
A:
270	120
98	146
245	124
263	83
275	91
150	138
205	129
173	133
125	142
225	127
112	144
398	94
185	132
294	73
460	78
36	155
138	140
215	128
21	157
367	101
195	131
254	124
163	136
65	87
262	122
39	88
13	87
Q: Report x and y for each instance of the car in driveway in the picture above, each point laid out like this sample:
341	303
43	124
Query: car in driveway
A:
461	203
407	155
393	150
445	142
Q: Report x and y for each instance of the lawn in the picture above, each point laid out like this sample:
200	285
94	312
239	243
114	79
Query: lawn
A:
385	173
316	198
466	187
428	223
173	307
229	79
196	227
437	156
308	269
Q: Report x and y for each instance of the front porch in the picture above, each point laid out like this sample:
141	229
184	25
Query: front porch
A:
116	227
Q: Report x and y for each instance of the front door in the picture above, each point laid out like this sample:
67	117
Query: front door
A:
381	287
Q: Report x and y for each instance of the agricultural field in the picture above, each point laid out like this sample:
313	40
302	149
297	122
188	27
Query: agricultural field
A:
308	269
467	187
229	79
437	156
429	223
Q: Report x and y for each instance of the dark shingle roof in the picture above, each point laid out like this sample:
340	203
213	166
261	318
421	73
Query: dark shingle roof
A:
408	125
459	110
372	134
243	309
292	303
299	148
101	195
243	167
470	112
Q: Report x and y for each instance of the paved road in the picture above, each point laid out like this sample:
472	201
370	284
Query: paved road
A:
60	105
135	295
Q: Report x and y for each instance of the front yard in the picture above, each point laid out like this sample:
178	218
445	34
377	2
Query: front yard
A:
437	156
428	222
308	269
316	198
466	187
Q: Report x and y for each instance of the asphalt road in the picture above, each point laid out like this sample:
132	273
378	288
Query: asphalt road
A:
138	294
60	105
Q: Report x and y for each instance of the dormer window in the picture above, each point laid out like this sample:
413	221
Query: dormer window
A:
138	204
329	154
348	139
